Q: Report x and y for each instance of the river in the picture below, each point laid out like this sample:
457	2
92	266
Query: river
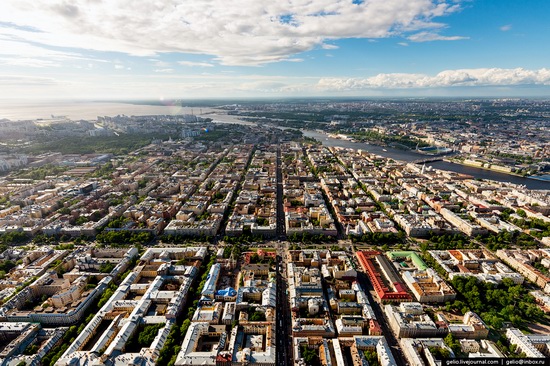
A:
403	155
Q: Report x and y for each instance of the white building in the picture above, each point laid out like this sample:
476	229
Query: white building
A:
533	345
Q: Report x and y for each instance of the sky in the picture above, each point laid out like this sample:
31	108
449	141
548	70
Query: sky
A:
147	49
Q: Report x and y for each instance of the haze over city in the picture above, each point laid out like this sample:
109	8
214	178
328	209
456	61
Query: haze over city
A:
86	49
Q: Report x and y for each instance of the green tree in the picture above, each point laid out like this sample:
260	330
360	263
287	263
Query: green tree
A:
106	267
184	326
452	343
310	356
439	353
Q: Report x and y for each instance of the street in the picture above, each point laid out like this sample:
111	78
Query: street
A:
284	345
281	231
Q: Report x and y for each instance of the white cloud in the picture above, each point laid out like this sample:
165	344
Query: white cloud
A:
327	46
431	36
493	82
119	67
10	46
195	64
236	32
28	62
164	71
293	59
404	44
506	28
19	80
447	78
15	52
159	63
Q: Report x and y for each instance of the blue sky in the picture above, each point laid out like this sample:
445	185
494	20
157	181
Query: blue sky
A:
100	49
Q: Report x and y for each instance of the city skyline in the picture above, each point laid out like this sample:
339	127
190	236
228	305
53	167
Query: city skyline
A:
94	49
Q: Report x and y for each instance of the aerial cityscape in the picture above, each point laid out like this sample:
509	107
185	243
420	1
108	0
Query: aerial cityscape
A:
180	239
307	183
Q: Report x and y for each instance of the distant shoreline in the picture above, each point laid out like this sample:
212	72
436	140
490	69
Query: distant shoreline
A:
484	168
534	177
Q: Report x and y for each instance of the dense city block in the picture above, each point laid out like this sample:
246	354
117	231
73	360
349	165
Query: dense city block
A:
281	238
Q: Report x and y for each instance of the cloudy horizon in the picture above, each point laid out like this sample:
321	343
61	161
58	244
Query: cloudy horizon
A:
243	48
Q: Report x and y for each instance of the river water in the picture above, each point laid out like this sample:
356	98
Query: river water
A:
403	155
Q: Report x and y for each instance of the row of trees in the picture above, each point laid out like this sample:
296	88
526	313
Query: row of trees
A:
106	295
14	237
446	242
122	238
538	227
379	238
55	353
178	239
496	304
430	261
306	238
505	239
243	239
